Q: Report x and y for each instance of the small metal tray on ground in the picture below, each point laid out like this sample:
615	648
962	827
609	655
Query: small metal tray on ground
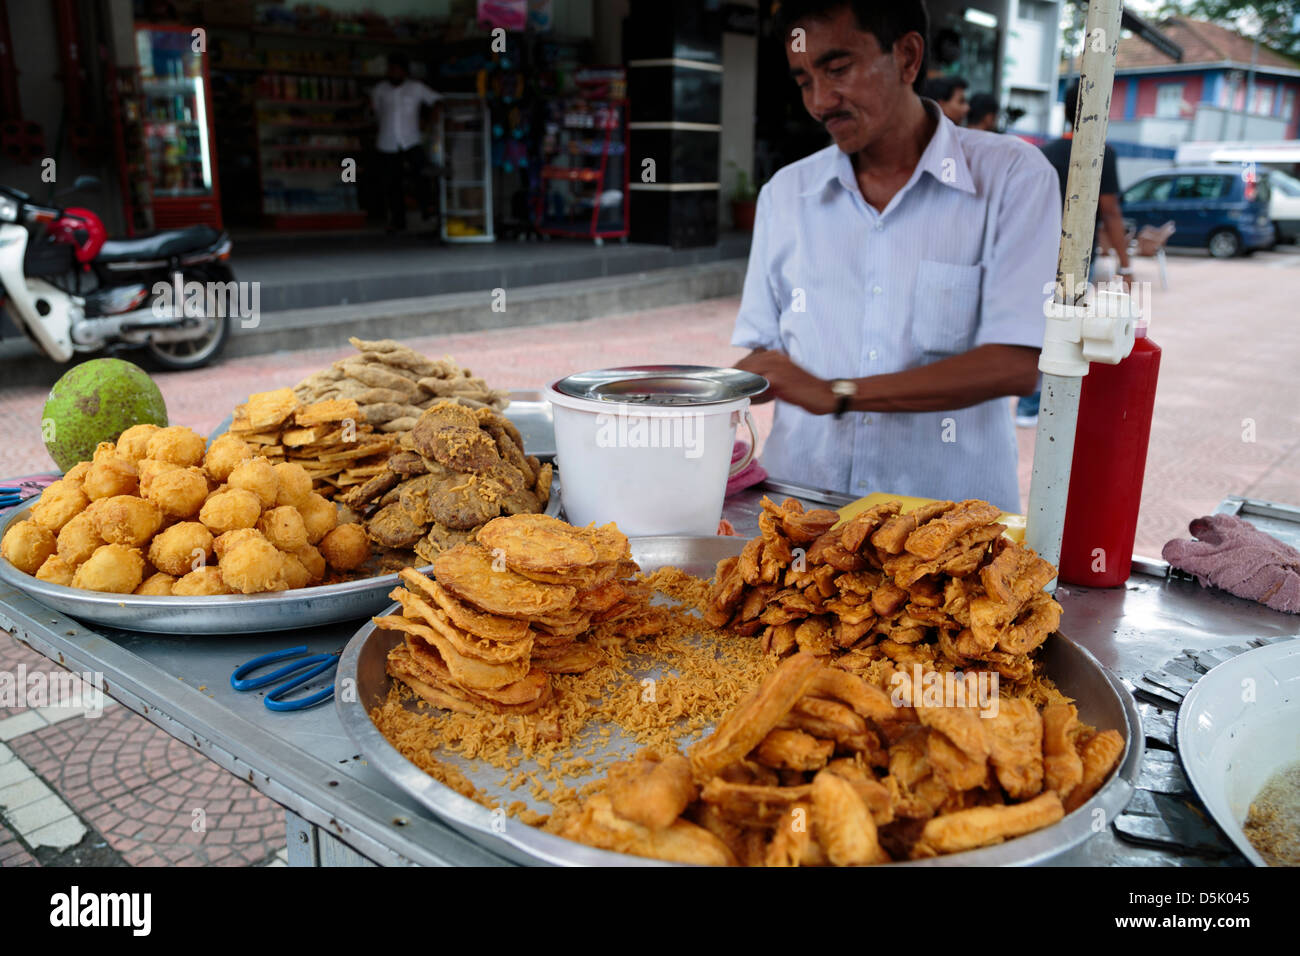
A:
221	613
1100	697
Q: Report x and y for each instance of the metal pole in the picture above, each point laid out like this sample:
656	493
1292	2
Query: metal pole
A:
1059	407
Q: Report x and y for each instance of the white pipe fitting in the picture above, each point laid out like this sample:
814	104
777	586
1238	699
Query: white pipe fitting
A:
1101	331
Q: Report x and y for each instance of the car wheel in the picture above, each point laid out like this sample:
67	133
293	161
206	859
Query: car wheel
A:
1224	244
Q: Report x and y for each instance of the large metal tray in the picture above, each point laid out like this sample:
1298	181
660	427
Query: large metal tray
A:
1101	698
218	614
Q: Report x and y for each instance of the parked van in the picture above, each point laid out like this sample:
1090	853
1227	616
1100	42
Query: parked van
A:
1223	208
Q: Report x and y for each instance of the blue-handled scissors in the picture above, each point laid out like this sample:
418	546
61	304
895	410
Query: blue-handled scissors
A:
316	664
10	495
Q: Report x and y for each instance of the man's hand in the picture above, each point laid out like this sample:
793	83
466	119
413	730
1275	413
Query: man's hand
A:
789	382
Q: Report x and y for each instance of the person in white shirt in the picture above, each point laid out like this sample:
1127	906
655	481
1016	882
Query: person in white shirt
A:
895	289
397	101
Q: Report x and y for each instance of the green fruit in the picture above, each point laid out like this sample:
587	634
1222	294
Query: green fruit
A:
96	401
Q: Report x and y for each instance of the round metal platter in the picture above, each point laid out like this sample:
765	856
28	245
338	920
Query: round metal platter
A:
1101	699
1230	742
217	614
663	385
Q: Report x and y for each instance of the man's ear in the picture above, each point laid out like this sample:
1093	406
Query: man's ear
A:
909	50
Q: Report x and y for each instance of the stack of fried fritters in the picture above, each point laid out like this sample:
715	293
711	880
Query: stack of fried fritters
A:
505	613
328	438
457	469
935	585
817	766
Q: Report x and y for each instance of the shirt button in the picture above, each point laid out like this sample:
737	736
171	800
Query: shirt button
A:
877	290
864	485
872	355
867	419
879	225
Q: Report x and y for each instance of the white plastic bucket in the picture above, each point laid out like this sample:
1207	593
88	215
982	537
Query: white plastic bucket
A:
650	469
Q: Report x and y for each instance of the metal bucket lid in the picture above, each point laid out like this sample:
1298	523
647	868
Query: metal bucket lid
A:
663	385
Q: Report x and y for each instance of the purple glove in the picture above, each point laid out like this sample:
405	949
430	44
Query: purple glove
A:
1235	555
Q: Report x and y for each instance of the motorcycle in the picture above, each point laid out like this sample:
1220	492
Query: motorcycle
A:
71	289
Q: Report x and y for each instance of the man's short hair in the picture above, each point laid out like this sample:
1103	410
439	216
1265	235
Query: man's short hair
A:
1071	102
943	88
400	60
981	105
887	22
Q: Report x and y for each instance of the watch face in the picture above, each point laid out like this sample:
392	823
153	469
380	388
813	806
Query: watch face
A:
843	388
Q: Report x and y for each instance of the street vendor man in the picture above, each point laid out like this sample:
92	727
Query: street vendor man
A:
895	289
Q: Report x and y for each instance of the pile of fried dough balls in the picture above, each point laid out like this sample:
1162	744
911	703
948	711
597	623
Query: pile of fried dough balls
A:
151	512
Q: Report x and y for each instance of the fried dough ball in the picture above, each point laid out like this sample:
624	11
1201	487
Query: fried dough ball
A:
125	519
113	567
258	476
225	542
109	476
133	444
226	452
295	484
26	545
177	444
346	547
205	581
177	549
229	510
77	473
57	571
294	572
284	528
313	561
319	515
103	451
150	469
253	565
79	538
59	504
179	492
156	585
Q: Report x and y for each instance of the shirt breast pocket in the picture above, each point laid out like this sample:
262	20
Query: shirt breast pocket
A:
946	308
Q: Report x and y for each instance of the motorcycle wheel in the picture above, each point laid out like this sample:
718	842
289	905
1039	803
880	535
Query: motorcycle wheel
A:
195	353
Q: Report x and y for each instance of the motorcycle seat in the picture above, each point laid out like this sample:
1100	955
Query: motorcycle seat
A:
159	245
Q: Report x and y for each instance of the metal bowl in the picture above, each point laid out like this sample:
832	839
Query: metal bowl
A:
217	614
1101	699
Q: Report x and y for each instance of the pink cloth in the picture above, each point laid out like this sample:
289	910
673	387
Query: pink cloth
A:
1235	555
31	487
751	474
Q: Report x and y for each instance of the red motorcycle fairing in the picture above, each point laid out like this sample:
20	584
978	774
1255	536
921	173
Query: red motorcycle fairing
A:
81	229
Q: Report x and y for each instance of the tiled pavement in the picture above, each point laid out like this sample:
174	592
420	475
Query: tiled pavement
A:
1227	421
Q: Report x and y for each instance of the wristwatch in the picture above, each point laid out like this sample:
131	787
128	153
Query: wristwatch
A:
844	389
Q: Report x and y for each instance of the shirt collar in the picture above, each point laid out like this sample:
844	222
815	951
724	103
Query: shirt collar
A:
943	158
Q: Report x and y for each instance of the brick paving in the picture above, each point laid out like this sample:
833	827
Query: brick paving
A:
1227	421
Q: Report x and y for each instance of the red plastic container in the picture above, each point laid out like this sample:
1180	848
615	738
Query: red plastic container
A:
1110	456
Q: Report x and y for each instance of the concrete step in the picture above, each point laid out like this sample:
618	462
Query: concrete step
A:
331	326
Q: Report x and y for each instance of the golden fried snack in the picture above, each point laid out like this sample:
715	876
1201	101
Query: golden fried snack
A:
79	538
176	444
295	573
313	561
133	444
109	476
740	731
1062	767
182	548
1099	756
345	548
793	750
224	454
652	791
319	516
465	616
576	657
1015	736
284	528
59	503
253	565
149	469
157	585
682	842
76	475
893	533
125	519
113	567
179	492
205	581
843	824
440	692
258	476
294	484
229	510
981	826
56	570
536	542
935	537
466	671
224	542
468	572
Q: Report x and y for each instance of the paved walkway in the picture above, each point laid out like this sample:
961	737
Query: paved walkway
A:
1227	421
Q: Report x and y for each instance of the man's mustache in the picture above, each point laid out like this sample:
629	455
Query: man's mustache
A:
840	114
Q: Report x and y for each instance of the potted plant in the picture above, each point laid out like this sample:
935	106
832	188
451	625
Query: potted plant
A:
744	200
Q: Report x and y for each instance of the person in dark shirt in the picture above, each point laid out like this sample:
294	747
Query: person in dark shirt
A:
1108	209
983	112
950	93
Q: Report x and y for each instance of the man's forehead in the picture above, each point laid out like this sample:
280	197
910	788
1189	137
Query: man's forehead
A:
815	40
